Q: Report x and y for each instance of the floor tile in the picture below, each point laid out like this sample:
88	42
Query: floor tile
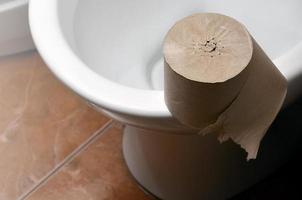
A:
97	173
41	122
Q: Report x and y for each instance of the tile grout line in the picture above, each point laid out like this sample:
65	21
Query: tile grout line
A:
67	160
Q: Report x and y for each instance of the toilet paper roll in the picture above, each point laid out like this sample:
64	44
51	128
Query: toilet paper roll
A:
218	79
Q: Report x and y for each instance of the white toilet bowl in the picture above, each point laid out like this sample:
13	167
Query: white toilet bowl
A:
109	52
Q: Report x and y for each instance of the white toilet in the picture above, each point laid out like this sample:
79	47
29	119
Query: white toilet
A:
109	52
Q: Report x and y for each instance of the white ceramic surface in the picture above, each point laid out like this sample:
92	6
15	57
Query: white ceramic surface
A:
15	35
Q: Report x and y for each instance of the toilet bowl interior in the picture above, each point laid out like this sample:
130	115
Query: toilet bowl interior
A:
122	40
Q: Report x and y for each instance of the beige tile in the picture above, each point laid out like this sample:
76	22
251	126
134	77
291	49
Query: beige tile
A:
97	173
41	122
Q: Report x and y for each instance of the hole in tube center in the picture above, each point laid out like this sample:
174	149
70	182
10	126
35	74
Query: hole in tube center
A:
207	47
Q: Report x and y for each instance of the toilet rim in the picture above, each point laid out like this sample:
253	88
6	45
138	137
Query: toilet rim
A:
56	52
65	64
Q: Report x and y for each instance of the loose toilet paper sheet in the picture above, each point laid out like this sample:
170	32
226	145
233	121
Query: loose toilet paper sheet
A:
247	119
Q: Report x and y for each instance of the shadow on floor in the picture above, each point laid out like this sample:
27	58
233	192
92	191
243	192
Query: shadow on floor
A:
285	183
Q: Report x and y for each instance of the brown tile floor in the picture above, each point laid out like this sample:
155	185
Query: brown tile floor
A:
52	144
97	173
